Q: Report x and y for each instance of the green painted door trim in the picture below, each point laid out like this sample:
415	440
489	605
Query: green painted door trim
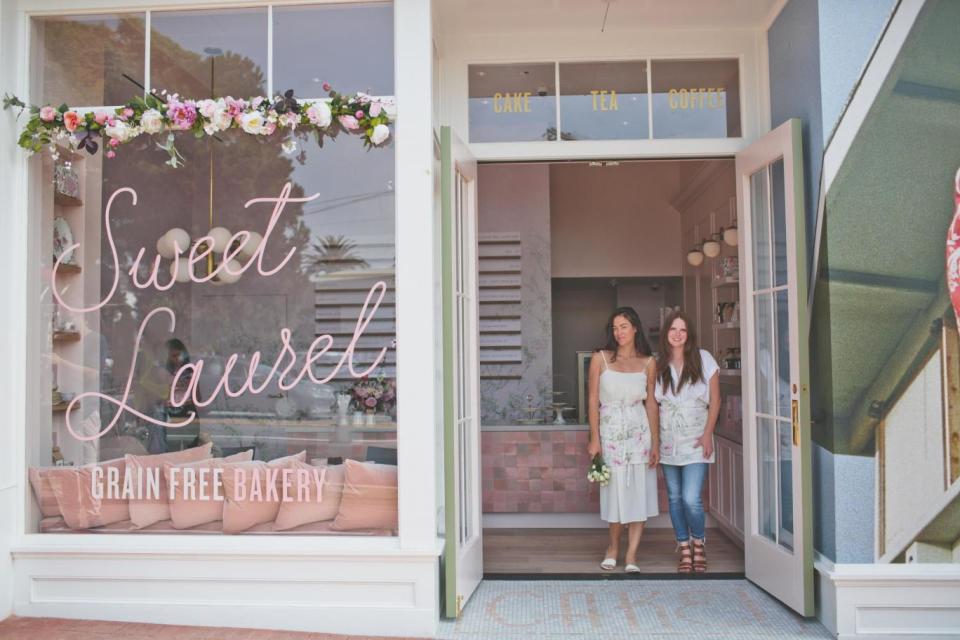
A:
803	338
450	498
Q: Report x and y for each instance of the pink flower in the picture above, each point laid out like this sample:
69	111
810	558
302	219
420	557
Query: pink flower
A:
111	154
256	102
359	114
234	107
114	142
349	123
326	86
100	117
48	114
127	113
71	120
269	128
375	109
370	402
182	114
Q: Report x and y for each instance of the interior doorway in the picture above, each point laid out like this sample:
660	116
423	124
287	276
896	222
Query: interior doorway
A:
560	245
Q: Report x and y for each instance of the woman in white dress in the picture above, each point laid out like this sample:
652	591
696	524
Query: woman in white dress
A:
688	391
623	427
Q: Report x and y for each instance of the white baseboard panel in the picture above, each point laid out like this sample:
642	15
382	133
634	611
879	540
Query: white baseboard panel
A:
889	600
564	521
346	595
6	561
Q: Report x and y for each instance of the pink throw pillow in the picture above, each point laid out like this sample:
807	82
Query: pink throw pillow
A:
253	491
369	497
80	507
204	502
152	508
43	492
296	512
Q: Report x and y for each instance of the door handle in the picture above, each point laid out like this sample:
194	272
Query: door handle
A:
795	414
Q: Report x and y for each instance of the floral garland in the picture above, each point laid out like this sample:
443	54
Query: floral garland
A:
158	113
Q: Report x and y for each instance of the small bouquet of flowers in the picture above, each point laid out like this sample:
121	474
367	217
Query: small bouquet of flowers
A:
599	471
377	394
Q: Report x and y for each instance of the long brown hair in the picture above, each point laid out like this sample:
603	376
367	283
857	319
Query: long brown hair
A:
639	340
692	362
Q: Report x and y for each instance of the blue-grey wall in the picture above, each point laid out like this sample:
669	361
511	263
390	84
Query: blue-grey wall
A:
794	55
849	30
817	52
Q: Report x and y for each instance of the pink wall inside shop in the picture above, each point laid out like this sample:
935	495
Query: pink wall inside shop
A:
615	221
540	472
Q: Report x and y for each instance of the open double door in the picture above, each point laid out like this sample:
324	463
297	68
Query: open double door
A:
778	536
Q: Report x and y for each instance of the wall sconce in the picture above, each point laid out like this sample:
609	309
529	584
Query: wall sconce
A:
711	248
695	256
730	235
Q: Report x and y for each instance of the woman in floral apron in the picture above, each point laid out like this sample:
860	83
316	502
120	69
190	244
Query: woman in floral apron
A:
688	391
623	426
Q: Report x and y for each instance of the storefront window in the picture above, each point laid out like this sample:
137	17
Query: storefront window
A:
257	397
604	100
696	99
513	102
88	60
304	61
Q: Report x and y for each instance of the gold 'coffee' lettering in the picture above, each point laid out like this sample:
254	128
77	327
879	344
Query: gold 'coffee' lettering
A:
604	100
696	98
518	102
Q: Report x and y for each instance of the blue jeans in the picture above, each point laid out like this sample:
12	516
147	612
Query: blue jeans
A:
684	488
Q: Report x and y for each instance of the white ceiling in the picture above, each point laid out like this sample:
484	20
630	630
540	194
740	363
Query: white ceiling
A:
491	16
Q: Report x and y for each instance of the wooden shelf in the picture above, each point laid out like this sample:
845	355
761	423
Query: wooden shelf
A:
730	373
66	336
68	268
725	282
60	407
64	200
727	325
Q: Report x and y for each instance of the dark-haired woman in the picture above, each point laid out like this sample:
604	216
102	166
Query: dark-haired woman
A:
688	390
623	426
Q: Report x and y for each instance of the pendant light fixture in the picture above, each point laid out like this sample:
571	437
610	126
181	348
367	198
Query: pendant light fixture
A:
711	248
695	256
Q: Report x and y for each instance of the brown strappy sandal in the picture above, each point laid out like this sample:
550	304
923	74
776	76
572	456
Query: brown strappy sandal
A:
699	556
686	561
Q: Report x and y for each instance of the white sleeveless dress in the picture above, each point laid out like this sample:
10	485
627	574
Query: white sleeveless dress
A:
631	494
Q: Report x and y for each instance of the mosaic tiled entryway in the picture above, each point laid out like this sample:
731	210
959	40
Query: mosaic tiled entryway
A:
701	609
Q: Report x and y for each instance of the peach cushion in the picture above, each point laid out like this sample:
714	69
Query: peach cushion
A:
249	500
204	503
81	509
43	491
296	512
144	512
369	497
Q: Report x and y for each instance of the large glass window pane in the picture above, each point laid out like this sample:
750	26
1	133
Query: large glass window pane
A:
767	477
83	60
200	54
779	215
760	233
765	359
783	354
512	102
203	394
696	99
317	44
604	100
785	474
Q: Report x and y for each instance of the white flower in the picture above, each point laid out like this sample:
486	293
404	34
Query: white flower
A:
252	122
221	118
289	120
121	131
206	107
380	133
319	114
151	121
